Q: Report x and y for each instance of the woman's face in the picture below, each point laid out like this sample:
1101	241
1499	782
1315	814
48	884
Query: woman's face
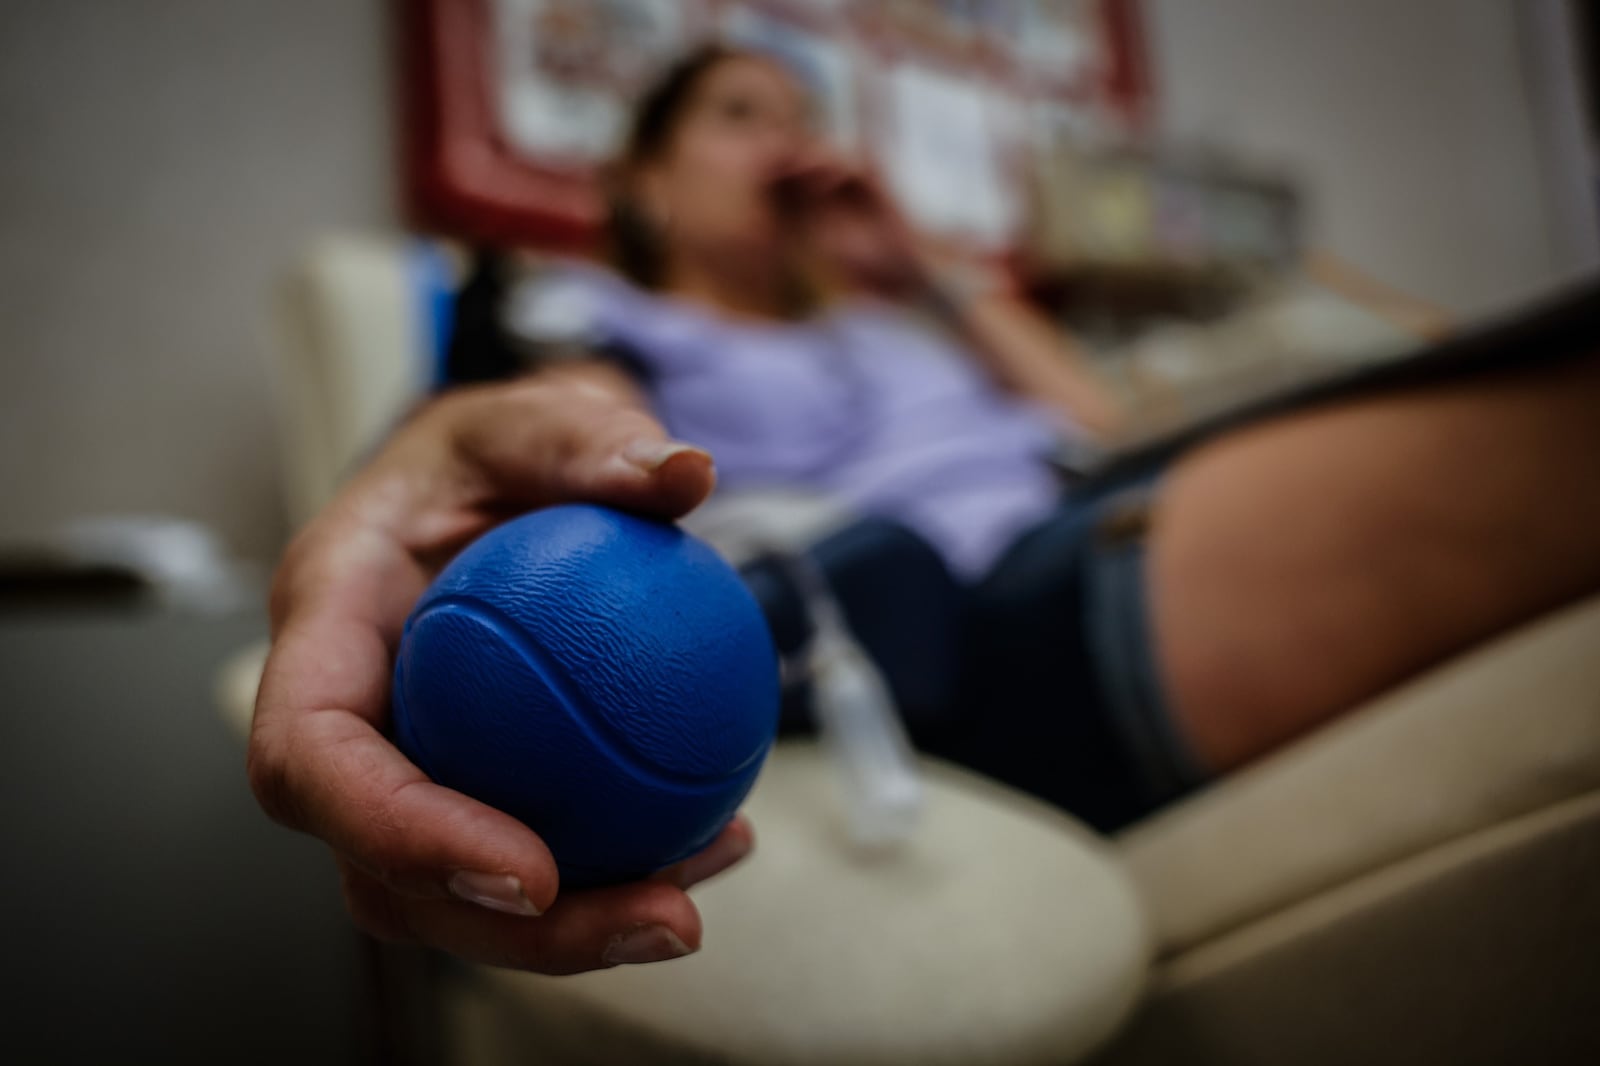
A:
711	191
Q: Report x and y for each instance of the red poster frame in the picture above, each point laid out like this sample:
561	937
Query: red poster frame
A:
461	179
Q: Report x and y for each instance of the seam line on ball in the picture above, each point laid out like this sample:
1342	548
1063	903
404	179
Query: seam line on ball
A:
578	710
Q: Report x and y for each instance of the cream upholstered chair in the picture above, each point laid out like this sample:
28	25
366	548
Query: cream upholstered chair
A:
811	921
1414	883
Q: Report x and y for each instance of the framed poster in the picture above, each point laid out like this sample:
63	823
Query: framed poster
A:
511	107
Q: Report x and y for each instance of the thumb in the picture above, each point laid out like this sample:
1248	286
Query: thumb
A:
536	444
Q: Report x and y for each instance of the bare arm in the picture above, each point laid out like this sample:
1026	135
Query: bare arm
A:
1400	309
1027	354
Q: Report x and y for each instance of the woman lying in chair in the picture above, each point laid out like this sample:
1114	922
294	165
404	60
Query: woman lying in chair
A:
769	304
1115	650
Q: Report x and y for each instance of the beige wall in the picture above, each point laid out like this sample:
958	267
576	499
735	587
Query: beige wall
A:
163	160
1409	118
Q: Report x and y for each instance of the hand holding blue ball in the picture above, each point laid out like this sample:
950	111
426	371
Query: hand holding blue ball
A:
606	679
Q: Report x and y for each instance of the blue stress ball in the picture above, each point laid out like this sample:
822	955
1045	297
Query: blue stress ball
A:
606	679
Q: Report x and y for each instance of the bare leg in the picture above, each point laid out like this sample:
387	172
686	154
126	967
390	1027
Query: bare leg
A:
1302	566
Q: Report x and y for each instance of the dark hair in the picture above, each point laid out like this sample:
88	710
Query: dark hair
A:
633	242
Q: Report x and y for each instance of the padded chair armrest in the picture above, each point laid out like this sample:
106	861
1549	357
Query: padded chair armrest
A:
1509	728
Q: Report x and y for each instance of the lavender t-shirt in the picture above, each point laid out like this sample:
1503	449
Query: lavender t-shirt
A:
863	404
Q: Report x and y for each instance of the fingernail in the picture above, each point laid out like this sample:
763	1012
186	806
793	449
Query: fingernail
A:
651	455
647	943
498	892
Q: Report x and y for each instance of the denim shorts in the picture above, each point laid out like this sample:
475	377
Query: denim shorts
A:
1116	628
1043	675
1063	694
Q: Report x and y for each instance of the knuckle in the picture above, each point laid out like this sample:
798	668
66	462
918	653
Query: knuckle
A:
288	579
632	421
280	595
269	781
382	855
537	398
387	839
370	823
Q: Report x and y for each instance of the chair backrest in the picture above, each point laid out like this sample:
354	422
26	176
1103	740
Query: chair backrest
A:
359	327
